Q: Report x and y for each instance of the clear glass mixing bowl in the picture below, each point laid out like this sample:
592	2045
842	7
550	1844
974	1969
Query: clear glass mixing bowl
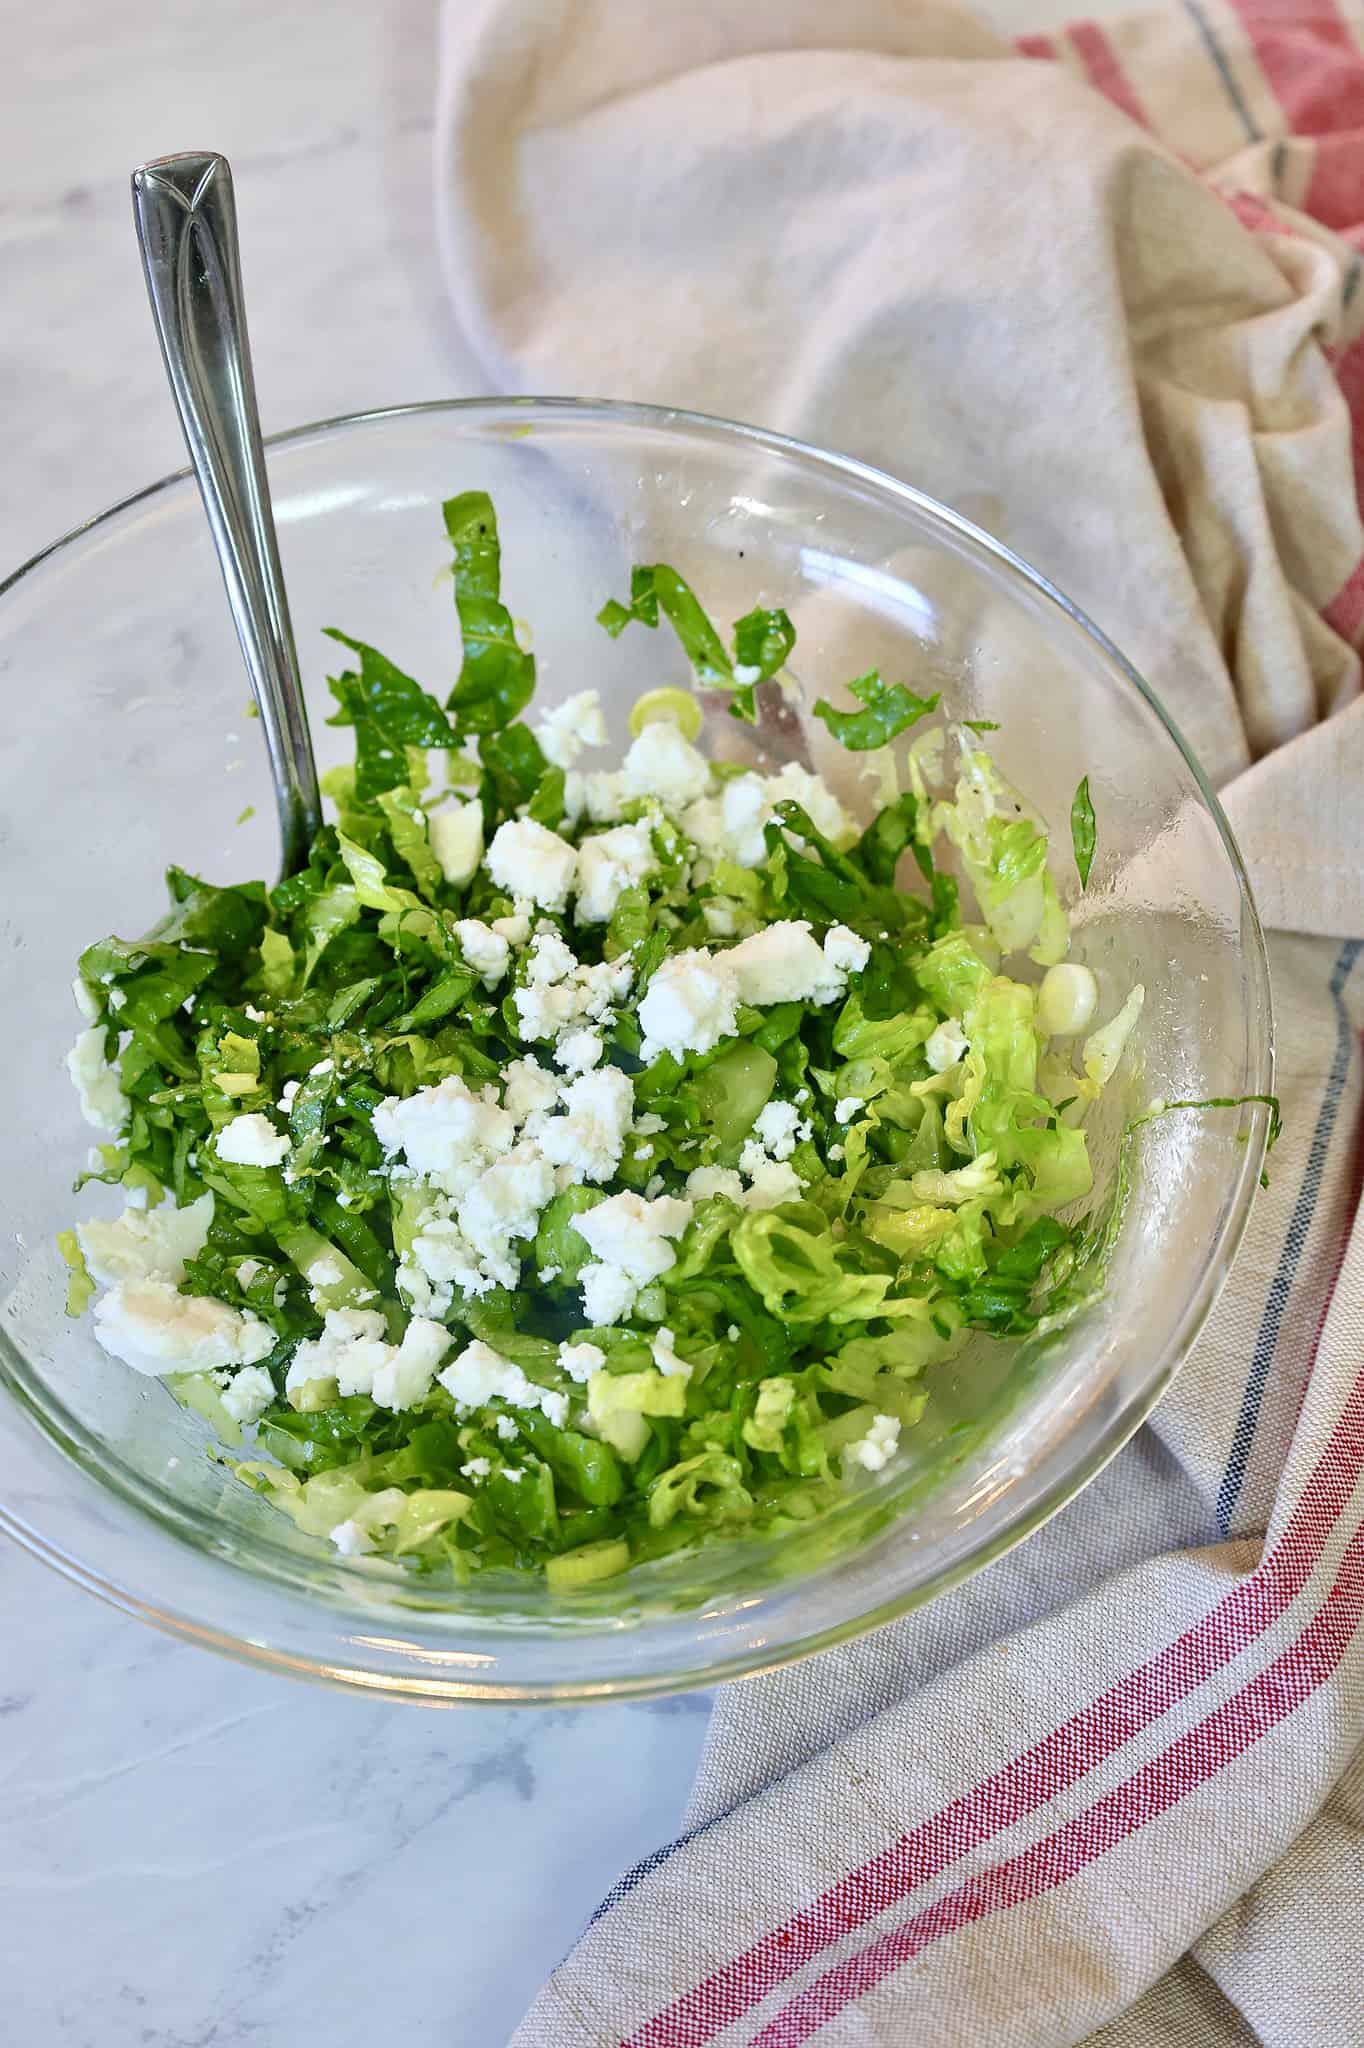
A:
127	744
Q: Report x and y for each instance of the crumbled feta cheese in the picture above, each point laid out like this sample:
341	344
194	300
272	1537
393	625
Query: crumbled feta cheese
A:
745	808
551	959
351	1539
567	728
445	1132
689	1005
844	950
456	836
797	785
504	1204
632	1233
666	1358
846	1108
443	1257
485	950
552	997
353	1351
579	1051
155	1330
286	1097
325	1272
714	1180
350	1350
405	1375
783	963
249	1394
505	1425
645	1126
662	763
477	1468
514	929
729	825
322	1067
146	1244
580	1361
599	793
607	983
608	864
733	1333
246	1272
102	1101
771	1183
945	1046
528	1090
778	1125
608	1294
85	1002
252	1141
590	1135
527	859
876	1449
544	1012
838	1151
480	1374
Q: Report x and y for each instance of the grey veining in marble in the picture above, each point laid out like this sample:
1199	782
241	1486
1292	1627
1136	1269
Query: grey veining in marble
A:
194	1855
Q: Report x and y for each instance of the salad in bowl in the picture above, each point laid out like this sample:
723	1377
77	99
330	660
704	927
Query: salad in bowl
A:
582	1159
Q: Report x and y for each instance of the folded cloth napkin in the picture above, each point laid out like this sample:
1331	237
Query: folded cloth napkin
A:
1105	283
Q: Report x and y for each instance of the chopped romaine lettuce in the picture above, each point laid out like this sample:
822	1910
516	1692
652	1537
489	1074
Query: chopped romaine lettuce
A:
538	1241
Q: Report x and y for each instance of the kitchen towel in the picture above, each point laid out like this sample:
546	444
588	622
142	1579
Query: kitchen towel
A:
1108	281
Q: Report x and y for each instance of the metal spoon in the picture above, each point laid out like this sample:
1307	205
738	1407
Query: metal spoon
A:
187	232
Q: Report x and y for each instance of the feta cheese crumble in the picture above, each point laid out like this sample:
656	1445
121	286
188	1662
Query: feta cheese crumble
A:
248	1394
662	763
630	1238
529	860
486	951
102	1100
874	1451
480	1375
568	728
689	1005
252	1140
609	863
155	1330
146	1244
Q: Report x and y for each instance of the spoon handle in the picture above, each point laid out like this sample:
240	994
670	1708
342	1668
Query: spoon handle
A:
187	232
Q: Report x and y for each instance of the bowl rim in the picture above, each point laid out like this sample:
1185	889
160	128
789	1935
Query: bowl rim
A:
150	1501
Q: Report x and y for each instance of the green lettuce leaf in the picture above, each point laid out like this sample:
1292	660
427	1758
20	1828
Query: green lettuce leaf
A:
497	677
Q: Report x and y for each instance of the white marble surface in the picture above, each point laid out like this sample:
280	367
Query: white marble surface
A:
194	1855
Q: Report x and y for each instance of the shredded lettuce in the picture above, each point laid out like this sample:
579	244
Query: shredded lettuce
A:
857	1180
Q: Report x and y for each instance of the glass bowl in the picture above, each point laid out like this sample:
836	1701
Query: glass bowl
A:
128	743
